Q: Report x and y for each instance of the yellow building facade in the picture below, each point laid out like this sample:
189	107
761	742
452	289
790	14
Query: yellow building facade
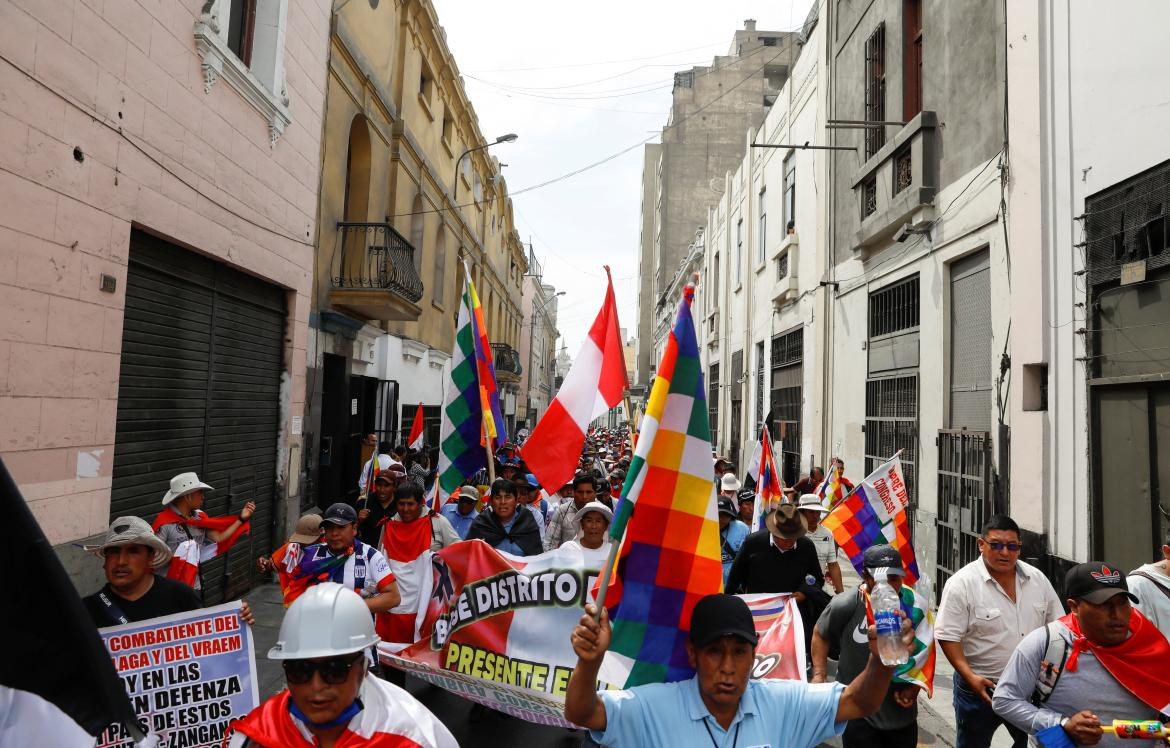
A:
410	193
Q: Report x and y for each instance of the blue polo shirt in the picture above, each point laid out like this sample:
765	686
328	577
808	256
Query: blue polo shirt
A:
771	714
461	523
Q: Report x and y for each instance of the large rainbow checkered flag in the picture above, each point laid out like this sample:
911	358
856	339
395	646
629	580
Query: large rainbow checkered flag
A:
874	513
670	554
471	421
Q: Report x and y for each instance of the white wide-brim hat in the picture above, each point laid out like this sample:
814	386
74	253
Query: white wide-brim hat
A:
594	506
133	531
182	484
813	502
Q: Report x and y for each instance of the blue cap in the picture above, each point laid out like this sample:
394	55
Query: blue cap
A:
532	481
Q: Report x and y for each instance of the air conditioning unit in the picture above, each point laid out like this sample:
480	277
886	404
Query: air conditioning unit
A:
713	329
785	289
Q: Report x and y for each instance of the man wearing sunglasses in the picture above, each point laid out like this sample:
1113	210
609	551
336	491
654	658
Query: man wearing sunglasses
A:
987	607
331	700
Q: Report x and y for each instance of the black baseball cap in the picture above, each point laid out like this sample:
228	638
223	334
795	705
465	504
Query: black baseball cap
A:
727	506
339	514
719	615
883	557
746	494
1095	582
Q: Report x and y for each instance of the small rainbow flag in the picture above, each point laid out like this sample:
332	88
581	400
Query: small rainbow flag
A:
875	513
769	487
670	553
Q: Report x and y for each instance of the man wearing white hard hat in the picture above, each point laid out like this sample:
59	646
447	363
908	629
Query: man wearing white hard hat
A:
183	518
331	699
813	512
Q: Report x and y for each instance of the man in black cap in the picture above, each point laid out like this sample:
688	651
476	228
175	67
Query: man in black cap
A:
1103	661
720	704
843	626
344	559
747	506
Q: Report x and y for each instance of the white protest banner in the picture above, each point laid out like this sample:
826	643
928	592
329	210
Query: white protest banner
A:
494	628
190	675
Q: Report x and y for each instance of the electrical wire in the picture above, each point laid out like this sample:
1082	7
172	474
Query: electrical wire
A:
602	62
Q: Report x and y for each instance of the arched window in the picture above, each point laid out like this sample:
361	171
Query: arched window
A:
438	283
418	225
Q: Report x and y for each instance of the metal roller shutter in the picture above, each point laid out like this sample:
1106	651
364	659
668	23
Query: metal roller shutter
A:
199	389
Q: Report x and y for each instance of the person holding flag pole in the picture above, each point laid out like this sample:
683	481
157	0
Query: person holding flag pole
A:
666	528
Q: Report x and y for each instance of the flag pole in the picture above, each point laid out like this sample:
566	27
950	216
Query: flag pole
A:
491	457
607	575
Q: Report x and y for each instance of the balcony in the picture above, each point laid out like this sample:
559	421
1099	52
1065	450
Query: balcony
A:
373	273
897	184
507	363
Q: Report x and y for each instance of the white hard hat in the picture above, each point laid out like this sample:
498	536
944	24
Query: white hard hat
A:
327	620
183	484
729	482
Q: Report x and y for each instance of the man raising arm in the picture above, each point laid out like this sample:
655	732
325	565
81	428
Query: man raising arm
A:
720	699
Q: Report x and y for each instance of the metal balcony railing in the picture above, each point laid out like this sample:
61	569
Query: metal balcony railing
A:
506	359
372	256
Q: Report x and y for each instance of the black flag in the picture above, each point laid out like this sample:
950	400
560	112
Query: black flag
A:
54	661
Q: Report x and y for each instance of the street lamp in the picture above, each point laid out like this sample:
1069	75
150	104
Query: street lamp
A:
531	330
509	138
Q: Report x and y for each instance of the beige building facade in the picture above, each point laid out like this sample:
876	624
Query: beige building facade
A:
410	195
158	182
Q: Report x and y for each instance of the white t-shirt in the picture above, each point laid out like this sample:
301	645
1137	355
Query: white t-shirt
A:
826	546
1155	604
594	557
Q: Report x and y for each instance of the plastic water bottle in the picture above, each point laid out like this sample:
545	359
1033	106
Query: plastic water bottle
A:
886	606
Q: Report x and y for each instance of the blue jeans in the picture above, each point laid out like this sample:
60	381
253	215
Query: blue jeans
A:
976	722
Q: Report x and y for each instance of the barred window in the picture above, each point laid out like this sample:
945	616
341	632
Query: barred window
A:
875	89
894	308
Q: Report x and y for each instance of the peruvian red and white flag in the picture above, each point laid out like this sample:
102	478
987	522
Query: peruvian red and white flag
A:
595	383
406	546
416	429
184	566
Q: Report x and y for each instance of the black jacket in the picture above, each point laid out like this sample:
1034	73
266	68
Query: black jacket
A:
525	532
761	567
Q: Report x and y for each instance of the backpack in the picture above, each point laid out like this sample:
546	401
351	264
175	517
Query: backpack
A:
1051	665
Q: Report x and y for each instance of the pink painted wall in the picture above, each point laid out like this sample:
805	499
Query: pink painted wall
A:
121	80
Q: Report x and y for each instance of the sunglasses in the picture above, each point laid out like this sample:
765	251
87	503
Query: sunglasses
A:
998	546
332	671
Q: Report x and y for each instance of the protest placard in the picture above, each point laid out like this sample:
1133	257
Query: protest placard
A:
189	675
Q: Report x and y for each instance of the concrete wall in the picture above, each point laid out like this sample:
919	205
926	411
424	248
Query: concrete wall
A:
107	120
1077	127
647	265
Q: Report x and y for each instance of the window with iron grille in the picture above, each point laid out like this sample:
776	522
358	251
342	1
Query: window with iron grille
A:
713	401
911	59
903	170
782	267
891	424
787	398
875	89
894	308
432	418
760	386
869	197
684	80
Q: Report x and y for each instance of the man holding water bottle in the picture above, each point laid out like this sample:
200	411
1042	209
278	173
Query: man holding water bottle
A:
842	626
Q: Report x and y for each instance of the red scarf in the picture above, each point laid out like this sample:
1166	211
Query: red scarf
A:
169	516
1141	663
271	726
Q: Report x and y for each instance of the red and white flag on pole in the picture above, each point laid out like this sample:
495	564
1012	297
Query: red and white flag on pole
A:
416	429
595	383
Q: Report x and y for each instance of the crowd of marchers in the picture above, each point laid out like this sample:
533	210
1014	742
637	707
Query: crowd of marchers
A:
1020	660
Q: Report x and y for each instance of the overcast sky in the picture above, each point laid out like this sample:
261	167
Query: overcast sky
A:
579	82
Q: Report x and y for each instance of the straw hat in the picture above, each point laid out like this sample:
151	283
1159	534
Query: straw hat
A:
133	531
